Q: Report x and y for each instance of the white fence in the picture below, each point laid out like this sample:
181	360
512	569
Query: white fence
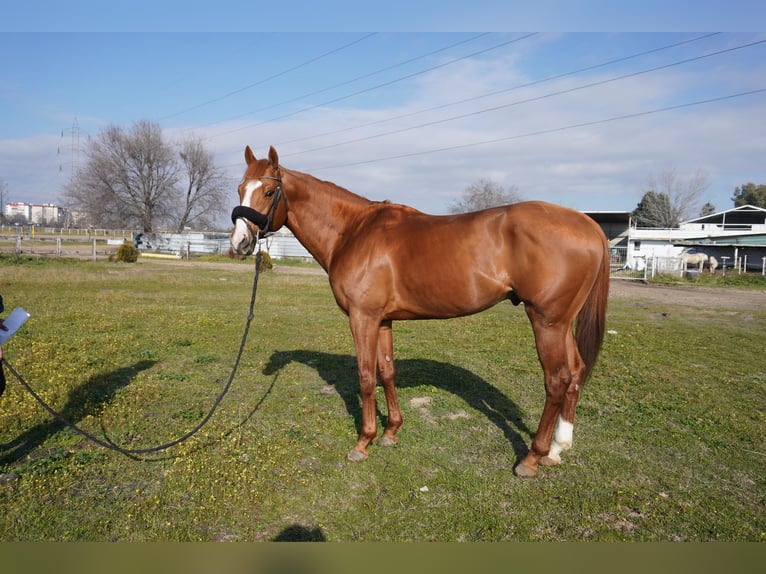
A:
59	247
282	244
624	263
182	244
643	267
175	245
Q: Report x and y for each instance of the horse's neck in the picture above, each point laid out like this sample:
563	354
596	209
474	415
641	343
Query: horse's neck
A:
319	212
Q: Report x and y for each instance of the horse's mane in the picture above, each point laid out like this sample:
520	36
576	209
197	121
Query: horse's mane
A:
309	180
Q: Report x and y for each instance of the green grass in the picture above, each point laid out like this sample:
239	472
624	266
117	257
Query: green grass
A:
668	439
731	279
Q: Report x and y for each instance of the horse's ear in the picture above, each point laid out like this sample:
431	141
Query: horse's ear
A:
249	156
273	157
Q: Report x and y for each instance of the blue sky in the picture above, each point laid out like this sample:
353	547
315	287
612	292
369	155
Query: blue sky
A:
579	118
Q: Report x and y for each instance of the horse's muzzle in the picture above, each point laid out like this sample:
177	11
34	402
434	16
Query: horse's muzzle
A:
253	216
242	238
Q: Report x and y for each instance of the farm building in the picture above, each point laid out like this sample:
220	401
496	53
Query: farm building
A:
735	237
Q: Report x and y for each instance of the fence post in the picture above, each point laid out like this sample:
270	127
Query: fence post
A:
94	249
18	246
58	246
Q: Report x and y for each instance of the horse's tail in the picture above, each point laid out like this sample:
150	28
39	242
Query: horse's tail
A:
591	320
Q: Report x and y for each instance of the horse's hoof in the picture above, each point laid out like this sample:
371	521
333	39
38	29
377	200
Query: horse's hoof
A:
524	471
356	456
550	460
386	441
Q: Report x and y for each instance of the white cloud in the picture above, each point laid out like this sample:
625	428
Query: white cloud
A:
602	166
34	168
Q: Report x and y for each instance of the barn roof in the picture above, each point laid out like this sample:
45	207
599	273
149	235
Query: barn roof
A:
609	216
742	215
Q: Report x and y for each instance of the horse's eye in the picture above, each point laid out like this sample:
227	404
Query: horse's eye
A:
270	193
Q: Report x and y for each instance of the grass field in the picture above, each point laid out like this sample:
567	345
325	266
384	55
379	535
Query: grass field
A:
668	440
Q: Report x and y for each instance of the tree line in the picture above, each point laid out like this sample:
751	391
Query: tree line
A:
668	200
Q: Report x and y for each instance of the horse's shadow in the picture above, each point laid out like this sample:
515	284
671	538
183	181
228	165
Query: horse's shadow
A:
340	372
82	401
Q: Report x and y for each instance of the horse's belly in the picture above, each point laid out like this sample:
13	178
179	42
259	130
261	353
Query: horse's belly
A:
443	299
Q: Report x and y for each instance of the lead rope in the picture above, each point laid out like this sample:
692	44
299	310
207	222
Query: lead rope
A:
106	442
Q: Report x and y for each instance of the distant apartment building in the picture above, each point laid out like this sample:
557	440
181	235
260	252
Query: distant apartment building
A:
17	211
45	214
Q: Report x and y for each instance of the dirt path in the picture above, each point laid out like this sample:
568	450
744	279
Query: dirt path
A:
692	296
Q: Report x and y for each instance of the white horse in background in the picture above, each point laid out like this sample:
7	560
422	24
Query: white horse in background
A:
698	259
712	264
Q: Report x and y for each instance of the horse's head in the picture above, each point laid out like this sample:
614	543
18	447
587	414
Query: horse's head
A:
262	204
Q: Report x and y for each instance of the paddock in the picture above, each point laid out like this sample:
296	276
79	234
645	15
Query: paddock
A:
138	349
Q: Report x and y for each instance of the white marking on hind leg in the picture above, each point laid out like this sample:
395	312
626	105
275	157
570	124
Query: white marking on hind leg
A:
562	439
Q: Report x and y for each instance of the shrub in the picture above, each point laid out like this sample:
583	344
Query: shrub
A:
266	263
127	253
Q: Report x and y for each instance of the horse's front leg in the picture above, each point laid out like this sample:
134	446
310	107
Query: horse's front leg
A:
387	372
365	332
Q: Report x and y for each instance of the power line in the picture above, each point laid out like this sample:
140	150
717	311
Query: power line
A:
544	132
376	87
529	100
352	80
268	79
74	150
503	91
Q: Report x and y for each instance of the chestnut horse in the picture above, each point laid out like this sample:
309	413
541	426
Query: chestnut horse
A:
387	262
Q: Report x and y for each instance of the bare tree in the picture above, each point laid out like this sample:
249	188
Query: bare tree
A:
483	194
670	199
129	178
203	197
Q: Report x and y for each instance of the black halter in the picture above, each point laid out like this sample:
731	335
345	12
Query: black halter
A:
263	222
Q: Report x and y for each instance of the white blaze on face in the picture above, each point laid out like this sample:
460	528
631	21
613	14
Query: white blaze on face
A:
562	439
241	232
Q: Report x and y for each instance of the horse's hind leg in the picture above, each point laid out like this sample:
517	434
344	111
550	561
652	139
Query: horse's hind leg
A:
554	344
562	437
386	371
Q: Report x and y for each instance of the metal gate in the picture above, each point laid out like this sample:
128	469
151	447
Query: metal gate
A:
641	267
